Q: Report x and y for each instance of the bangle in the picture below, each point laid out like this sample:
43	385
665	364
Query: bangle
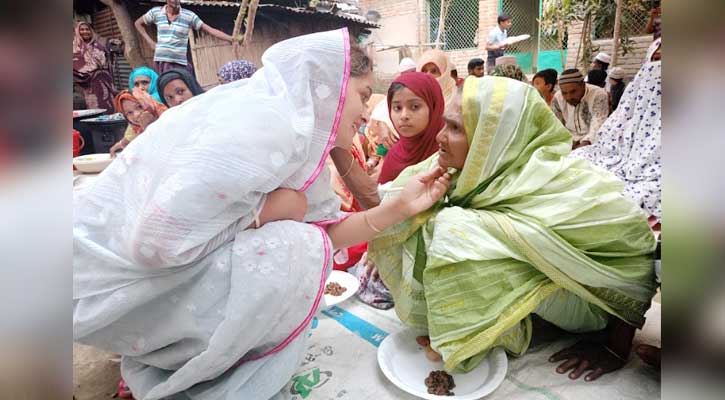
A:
352	161
370	225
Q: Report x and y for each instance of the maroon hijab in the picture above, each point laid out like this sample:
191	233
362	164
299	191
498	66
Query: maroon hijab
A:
412	150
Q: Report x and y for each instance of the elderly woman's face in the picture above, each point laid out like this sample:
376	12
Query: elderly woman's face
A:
354	111
85	32
452	140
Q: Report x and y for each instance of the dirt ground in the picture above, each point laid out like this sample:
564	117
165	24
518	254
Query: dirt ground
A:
95	373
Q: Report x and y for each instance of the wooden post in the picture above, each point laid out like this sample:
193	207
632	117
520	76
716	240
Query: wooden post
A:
249	30
441	22
132	48
615	37
238	27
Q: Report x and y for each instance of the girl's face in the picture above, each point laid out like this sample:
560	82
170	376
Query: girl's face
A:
176	92
355	110
431	69
452	140
409	113
142	82
85	32
132	111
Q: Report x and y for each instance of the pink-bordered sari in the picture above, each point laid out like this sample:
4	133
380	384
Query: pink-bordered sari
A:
166	273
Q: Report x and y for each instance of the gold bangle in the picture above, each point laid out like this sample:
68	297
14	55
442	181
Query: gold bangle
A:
367	221
352	161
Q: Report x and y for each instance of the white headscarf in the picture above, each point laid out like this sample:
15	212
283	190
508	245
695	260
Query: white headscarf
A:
165	272
206	165
629	143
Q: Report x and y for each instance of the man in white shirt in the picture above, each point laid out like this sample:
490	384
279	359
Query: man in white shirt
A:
581	107
496	43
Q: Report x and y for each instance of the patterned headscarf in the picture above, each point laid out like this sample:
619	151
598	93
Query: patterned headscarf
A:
236	70
510	71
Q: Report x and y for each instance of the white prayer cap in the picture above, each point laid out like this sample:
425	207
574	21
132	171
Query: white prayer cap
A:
406	64
616	73
603	57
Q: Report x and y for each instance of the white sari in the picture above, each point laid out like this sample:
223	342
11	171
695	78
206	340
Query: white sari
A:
166	274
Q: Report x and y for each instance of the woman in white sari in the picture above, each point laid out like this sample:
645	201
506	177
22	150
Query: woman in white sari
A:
169	269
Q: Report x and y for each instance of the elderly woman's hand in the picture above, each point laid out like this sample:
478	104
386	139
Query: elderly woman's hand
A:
423	190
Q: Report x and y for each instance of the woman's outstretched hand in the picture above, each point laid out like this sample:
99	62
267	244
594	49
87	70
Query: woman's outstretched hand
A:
423	190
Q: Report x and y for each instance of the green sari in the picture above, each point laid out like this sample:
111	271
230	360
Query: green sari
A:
524	229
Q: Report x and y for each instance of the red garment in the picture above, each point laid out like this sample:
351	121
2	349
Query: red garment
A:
412	150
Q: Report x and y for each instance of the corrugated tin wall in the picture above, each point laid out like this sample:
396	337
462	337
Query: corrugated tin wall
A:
105	25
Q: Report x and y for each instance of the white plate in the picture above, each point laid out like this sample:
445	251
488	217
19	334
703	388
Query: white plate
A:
92	163
346	280
516	39
88	112
404	363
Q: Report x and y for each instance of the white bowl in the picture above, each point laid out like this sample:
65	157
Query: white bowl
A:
92	163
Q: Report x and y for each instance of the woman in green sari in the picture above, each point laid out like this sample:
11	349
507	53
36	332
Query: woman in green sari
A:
523	230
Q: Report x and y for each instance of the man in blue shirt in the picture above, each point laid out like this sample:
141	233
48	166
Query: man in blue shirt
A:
173	24
496	43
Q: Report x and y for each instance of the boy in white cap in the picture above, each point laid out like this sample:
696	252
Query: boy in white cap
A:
601	61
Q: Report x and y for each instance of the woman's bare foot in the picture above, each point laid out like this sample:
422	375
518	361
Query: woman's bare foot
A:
650	355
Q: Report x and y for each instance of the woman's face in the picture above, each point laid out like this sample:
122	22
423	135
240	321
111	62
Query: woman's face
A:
132	111
409	113
452	140
142	82
176	92
355	110
431	69
85	32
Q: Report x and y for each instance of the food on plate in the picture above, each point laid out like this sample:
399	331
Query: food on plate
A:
440	383
334	289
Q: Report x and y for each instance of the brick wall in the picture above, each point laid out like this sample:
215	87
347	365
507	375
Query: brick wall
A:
487	19
630	63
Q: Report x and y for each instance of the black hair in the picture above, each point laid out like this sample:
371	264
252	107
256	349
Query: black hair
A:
604	65
360	62
395	87
617	91
475	62
503	17
549	76
597	77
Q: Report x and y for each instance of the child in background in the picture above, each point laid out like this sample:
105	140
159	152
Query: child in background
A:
616	86
140	110
415	104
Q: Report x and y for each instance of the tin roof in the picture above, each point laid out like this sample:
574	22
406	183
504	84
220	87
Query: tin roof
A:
336	14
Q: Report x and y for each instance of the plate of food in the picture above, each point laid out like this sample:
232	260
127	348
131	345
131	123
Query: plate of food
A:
92	163
339	287
407	360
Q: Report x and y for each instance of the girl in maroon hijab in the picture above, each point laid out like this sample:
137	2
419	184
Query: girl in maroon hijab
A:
415	104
